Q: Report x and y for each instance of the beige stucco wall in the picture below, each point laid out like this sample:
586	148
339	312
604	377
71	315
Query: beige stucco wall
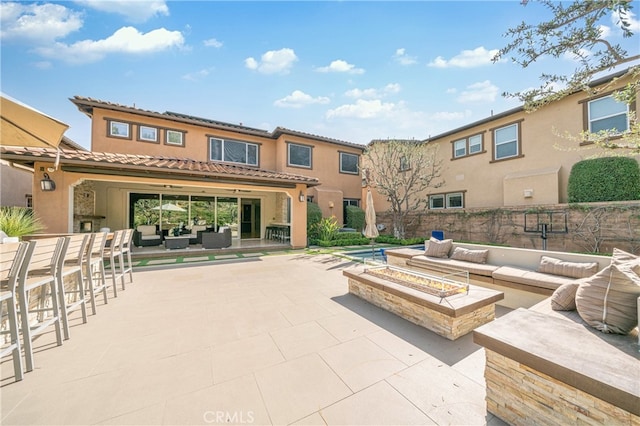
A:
15	185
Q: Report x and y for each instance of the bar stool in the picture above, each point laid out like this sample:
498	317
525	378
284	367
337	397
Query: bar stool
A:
70	263
125	247
11	258
38	272
113	252
94	273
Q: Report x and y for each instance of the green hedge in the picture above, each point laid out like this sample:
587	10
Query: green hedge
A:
344	242
390	239
604	179
314	216
355	217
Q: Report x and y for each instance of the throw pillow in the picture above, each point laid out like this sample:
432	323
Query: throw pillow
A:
564	297
551	265
607	300
475	256
437	248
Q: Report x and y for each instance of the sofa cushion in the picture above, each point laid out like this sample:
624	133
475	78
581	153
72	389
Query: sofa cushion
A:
437	248
146	229
607	301
473	268
149	237
531	278
475	256
564	297
551	265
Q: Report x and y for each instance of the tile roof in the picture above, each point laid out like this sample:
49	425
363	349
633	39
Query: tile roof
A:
86	105
170	165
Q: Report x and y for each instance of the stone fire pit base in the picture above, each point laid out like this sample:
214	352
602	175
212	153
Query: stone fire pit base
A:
450	317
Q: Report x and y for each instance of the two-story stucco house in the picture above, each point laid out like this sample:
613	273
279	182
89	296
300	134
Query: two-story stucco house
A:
519	158
172	169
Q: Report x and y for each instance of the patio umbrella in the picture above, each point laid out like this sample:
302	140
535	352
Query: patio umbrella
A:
170	207
371	230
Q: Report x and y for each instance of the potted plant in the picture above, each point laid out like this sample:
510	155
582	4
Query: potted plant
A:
16	222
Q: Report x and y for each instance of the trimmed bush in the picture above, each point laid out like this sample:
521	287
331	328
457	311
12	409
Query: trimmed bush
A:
390	239
355	218
314	216
604	179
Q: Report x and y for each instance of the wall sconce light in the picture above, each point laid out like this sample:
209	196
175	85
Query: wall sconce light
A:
302	197
330	204
46	184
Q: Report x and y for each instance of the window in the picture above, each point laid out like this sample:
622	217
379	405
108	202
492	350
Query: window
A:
607	114
467	146
460	148
452	200
349	163
436	202
299	155
404	164
233	151
147	134
175	137
118	129
505	141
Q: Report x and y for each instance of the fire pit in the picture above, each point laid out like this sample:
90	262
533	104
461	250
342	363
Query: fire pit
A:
447	304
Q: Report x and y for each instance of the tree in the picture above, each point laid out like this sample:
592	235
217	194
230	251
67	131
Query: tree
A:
576	30
402	171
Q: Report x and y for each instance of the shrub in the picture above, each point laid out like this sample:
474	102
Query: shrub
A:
344	242
314	216
19	221
347	235
604	179
355	218
390	239
327	228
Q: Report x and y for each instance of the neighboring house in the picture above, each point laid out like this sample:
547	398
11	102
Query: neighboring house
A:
168	169
517	158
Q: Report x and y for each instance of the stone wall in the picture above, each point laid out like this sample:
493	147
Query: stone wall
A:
520	395
591	228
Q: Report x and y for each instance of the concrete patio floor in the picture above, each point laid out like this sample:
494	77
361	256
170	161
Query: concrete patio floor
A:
265	340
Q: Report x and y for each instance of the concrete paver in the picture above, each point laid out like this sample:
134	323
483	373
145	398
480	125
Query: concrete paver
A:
271	340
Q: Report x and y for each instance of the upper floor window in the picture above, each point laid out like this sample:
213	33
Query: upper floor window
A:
233	151
506	142
174	137
452	200
349	163
299	155
119	129
404	164
606	113
467	146
147	134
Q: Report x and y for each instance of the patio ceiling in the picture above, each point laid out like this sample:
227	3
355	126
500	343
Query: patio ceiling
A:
101	163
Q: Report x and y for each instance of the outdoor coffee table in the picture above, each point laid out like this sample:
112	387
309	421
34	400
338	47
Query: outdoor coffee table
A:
180	242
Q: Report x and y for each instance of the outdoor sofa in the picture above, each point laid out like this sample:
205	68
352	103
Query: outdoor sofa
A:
146	235
548	361
215	240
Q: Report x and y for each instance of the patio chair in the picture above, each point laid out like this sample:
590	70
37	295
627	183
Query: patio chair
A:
94	271
11	258
70	263
113	252
146	235
220	239
38	272
125	246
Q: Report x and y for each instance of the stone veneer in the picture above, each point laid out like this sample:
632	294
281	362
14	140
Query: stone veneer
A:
521	395
427	310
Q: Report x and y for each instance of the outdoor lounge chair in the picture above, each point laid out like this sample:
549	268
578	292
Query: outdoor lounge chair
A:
146	235
220	239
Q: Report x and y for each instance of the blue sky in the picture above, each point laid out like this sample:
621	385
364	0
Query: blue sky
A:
350	70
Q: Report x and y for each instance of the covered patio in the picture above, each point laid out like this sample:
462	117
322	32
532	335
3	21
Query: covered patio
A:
266	340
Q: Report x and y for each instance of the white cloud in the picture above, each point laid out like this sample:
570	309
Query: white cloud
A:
629	17
125	40
389	89
402	58
299	99
449	116
483	91
273	62
198	75
341	66
133	11
362	109
466	59
212	42
41	23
